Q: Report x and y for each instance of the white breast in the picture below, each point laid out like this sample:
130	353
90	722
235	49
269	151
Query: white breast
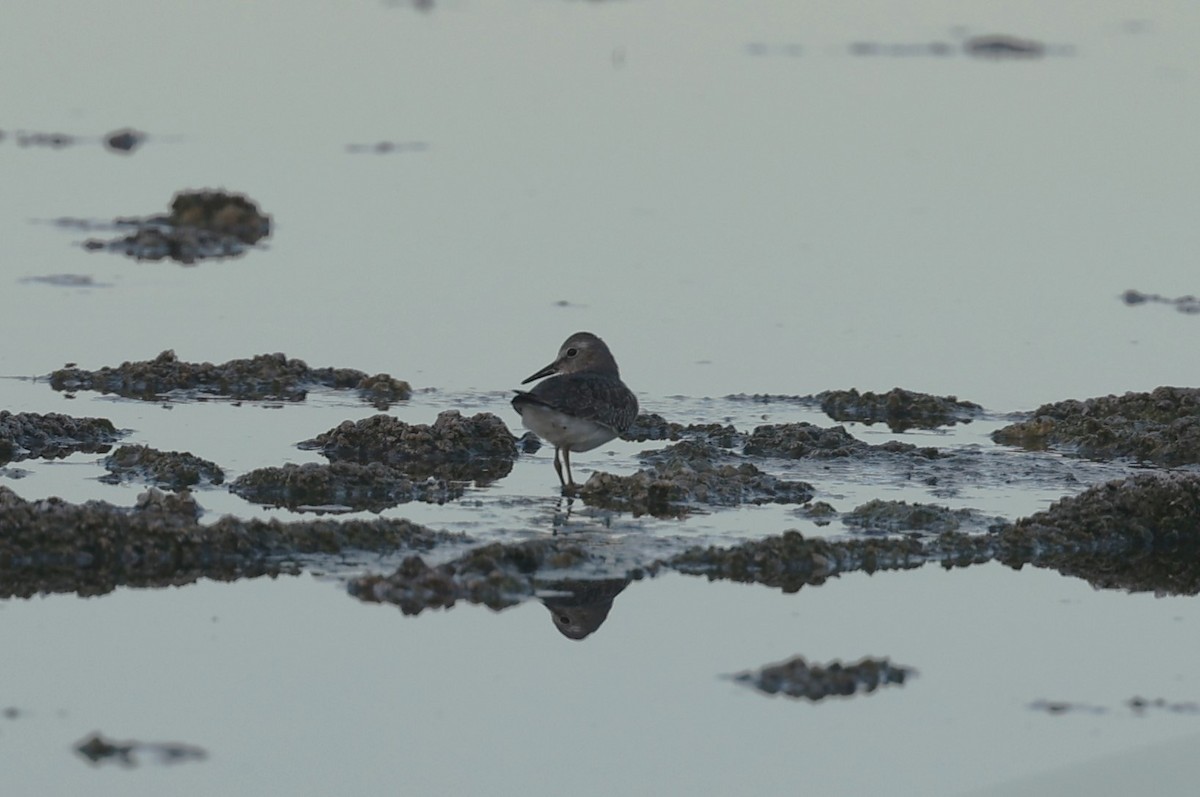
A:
565	431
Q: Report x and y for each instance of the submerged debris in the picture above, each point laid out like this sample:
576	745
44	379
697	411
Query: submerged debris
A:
900	409
25	435
1003	46
479	448
797	678
1184	304
340	485
173	470
202	224
97	750
688	474
55	546
494	575
264	377
1162	427
125	140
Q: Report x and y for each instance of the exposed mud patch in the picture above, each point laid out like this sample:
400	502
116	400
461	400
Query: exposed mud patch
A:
91	548
686	476
265	377
25	435
808	441
797	678
202	224
892	517
340	486
172	470
456	448
1162	427
898	408
652	426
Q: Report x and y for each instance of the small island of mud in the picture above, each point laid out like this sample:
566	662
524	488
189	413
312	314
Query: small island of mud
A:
340	486
26	435
202	224
479	448
265	377
1161	427
686	475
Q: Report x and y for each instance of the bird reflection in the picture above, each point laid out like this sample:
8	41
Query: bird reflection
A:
580	607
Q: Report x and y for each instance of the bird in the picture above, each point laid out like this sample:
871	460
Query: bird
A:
583	404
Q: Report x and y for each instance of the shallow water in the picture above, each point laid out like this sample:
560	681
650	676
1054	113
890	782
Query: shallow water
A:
738	204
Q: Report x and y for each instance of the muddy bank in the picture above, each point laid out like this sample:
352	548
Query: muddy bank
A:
456	448
26	435
91	548
201	224
898	408
797	678
171	470
688	475
264	377
340	486
1161	427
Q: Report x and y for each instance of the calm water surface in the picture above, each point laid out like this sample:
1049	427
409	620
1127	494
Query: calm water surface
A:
736	203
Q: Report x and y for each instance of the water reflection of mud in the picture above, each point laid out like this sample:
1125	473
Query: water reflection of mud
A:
797	678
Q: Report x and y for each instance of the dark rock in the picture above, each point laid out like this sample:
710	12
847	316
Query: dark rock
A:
1162	427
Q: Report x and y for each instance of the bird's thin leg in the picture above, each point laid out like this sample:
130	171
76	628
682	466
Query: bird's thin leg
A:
558	469
567	460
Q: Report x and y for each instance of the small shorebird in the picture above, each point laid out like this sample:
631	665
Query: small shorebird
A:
583	405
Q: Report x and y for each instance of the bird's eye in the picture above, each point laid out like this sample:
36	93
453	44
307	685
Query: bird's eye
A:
572	352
